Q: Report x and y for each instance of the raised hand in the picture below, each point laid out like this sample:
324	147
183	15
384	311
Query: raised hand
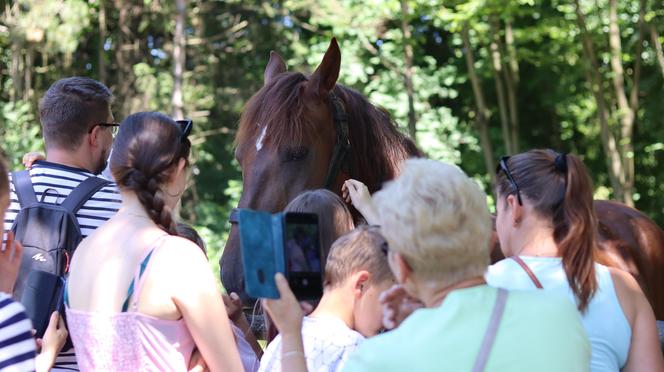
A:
30	158
397	306
357	193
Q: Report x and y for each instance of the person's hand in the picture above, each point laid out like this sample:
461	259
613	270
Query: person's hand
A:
233	304
397	306
52	342
10	263
30	158
197	363
285	311
357	193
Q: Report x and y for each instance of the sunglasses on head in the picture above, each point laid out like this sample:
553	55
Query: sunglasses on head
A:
185	126
502	165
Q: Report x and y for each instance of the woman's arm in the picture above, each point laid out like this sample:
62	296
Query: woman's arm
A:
644	349
198	299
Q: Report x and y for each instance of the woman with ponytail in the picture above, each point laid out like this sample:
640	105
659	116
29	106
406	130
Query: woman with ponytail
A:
139	297
547	229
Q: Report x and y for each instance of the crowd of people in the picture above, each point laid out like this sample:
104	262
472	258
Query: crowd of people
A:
412	289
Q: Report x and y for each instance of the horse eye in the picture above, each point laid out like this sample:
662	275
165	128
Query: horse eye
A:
296	154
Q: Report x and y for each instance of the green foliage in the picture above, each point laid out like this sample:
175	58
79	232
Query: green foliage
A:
228	44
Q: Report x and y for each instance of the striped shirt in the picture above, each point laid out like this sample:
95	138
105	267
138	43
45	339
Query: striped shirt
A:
17	347
53	183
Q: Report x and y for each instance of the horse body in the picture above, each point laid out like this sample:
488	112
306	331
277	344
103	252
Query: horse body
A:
285	144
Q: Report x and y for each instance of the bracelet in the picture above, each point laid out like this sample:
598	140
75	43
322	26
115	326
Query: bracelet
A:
291	353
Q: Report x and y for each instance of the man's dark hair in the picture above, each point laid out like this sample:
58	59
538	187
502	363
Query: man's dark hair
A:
70	107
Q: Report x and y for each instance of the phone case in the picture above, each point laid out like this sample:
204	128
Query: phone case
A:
262	252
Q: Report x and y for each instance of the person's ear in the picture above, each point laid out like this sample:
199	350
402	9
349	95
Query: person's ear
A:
400	267
516	208
93	138
360	282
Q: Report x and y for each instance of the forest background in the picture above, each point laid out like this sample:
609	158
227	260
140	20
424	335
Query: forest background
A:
470	80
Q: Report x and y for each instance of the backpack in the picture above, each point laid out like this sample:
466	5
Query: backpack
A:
49	232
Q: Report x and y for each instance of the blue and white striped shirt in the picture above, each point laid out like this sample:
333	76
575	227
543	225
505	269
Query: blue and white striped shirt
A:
53	183
17	347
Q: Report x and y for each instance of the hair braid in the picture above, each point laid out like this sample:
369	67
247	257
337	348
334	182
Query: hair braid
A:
150	195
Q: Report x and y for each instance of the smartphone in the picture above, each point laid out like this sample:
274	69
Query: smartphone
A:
260	260
288	243
303	255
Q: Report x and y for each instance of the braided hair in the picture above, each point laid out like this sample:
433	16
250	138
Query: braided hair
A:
146	151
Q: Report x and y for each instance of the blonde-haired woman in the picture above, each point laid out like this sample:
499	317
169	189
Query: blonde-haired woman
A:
437	224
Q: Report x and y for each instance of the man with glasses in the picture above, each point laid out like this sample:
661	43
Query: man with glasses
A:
78	129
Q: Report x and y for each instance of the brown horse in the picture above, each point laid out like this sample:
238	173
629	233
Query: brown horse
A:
305	132
286	142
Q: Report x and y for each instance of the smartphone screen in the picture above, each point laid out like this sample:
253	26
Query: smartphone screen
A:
302	254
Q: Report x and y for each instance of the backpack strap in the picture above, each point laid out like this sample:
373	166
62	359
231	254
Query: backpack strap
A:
491	331
530	273
82	193
23	188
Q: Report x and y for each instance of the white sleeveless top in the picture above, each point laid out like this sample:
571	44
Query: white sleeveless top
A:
608	330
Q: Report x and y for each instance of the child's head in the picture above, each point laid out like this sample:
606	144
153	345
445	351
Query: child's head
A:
358	263
334	218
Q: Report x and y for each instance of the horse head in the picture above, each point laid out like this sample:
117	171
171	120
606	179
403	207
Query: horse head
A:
303	132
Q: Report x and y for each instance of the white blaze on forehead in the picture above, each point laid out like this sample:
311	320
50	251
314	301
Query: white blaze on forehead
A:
259	141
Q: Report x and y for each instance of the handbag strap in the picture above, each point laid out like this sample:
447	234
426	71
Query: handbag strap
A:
491	331
530	273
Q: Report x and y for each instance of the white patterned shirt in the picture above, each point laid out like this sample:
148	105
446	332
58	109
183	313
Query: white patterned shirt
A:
327	343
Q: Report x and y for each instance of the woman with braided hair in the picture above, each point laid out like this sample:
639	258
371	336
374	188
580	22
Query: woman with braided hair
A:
547	228
139	297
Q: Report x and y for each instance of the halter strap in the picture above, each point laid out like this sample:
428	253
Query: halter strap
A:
342	145
530	273
491	331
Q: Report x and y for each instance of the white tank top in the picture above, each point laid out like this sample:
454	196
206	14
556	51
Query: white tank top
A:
608	330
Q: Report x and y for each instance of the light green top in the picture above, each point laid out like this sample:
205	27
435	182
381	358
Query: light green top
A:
539	332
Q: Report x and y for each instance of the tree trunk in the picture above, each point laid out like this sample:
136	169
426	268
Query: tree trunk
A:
482	114
179	56
101	58
497	67
512	80
613	159
408	73
658	47
625	112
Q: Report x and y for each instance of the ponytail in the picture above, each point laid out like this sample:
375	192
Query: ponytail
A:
559	188
575	229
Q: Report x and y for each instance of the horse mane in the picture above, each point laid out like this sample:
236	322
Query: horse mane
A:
377	146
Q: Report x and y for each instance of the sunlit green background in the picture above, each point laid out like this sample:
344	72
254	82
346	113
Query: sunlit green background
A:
527	55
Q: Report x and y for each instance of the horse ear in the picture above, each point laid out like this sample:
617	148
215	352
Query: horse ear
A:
322	81
275	66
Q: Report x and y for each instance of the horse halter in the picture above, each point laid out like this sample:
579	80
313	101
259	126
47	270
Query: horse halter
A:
340	154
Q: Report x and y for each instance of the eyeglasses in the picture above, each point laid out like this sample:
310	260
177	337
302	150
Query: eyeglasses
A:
114	127
503	166
185	126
